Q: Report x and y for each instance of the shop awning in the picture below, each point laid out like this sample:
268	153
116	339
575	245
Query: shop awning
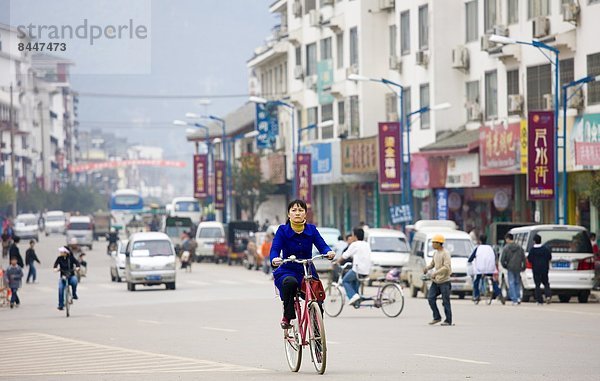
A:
453	143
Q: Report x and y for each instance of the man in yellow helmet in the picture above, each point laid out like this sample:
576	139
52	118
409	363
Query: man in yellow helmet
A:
440	277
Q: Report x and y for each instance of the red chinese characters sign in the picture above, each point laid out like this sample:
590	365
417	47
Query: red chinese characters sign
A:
304	178
499	149
200	176
219	184
540	155
389	158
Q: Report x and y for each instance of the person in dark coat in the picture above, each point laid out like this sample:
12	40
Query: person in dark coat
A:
14	275
513	260
30	259
540	257
14	252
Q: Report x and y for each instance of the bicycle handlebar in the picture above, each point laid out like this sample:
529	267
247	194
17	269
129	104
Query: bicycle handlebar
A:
292	258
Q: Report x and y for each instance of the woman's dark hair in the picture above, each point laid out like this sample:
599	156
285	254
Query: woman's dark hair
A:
300	203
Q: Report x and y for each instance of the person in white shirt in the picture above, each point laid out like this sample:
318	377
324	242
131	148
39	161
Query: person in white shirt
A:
360	252
484	263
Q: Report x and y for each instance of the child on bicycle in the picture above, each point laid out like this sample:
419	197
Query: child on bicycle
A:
14	275
295	237
67	265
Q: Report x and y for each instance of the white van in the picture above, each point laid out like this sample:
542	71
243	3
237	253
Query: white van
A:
150	260
82	229
458	243
55	222
207	234
186	207
389	249
572	267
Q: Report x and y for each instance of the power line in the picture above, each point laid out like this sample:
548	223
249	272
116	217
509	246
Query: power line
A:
160	96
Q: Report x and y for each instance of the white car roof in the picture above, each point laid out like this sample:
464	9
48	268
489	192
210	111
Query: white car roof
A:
448	234
545	227
80	219
381	232
210	224
435	224
55	213
26	216
149	236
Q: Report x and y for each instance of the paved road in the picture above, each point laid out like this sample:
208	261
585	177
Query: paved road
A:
222	323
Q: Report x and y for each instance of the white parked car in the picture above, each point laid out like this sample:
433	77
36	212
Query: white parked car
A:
389	249
26	226
572	267
55	221
118	261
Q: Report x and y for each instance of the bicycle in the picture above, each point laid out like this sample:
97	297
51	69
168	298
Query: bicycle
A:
309	322
389	297
486	289
67	296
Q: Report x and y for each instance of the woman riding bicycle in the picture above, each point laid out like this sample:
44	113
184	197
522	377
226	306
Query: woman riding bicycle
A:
296	237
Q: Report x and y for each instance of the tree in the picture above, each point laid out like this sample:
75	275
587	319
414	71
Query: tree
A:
249	187
595	190
7	195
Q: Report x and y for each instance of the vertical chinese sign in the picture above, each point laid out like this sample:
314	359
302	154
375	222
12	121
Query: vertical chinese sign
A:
219	184
200	176
267	124
304	178
389	158
540	155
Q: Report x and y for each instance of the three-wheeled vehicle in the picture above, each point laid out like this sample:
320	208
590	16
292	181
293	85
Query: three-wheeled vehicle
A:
238	234
102	224
174	228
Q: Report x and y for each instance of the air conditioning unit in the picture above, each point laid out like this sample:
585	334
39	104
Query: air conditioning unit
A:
311	82
386	5
314	18
421	58
460	58
298	72
297	8
548	102
570	12
326	2
473	111
541	27
576	100
352	69
395	63
500	30
392	117
486	44
515	103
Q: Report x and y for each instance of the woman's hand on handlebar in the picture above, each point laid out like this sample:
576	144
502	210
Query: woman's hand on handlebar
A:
276	262
331	255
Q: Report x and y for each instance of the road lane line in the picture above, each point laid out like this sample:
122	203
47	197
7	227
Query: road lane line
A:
453	359
150	321
219	329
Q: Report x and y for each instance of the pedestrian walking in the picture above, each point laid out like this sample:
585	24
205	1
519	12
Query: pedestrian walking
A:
265	250
540	257
14	276
514	261
440	276
30	259
14	251
484	262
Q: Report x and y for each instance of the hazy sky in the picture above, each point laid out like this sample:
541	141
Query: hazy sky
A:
194	47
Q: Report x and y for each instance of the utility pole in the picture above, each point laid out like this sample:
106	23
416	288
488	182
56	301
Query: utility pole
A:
41	111
12	150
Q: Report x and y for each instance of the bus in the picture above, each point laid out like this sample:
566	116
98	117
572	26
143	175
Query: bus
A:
125	205
186	207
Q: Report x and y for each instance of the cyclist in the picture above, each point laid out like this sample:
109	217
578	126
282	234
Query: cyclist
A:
67	265
485	263
112	238
295	237
360	252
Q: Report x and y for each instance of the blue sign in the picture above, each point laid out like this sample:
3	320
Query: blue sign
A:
441	196
267	124
321	157
400	214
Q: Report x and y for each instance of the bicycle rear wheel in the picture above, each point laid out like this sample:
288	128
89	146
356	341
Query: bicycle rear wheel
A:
489	287
334	300
391	300
68	299
293	347
317	340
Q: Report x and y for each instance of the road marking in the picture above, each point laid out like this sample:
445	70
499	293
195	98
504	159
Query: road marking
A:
453	359
219	329
98	359
230	282
197	282
103	316
150	321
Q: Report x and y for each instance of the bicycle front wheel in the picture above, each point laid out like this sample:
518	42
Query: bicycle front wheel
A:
392	300
489	290
317	341
334	301
293	347
68	300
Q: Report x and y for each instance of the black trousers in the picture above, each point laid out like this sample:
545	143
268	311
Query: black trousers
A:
289	288
541	278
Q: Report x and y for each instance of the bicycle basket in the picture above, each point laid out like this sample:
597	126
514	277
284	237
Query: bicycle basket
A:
317	289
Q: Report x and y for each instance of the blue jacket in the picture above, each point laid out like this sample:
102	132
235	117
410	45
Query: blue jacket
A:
300	245
14	274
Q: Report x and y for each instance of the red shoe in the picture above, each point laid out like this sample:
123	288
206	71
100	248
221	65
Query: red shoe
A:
285	323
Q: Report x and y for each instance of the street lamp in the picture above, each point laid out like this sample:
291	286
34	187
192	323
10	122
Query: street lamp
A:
292	110
540	45
565	98
422	110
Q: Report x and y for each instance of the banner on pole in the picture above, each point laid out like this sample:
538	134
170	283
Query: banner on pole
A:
219	184
540	155
304	178
200	176
389	157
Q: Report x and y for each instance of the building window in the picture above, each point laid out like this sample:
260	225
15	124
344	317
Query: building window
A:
311	59
593	68
405	32
512	82
327	116
539	83
299	56
593	1
424	99
391	107
423	27
513	11
309	5
538	8
491	94
393	40
326	49
489	15
472	91
312	118
354	46
354	117
567	74
339	42
472	31
407	103
341	112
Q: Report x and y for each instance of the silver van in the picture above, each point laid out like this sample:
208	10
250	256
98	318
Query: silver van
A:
150	260
82	229
207	234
